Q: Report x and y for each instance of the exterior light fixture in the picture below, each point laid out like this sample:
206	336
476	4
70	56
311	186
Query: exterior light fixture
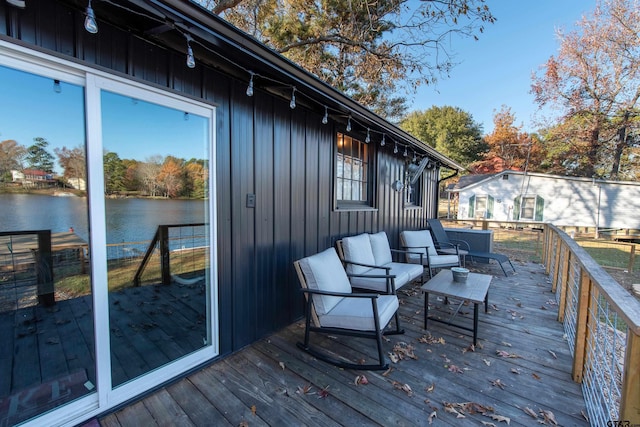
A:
191	60
368	138
325	118
395	148
56	86
250	87
383	142
90	23
349	123
292	104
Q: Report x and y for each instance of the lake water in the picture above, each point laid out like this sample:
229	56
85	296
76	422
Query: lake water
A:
128	220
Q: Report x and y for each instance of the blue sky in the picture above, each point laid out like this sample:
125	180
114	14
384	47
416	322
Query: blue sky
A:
496	69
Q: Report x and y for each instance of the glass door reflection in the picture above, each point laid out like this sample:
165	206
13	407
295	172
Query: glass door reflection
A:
156	208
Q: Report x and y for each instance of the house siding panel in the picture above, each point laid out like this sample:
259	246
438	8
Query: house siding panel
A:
285	157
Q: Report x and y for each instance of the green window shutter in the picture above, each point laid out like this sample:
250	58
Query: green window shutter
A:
472	206
489	207
539	208
516	208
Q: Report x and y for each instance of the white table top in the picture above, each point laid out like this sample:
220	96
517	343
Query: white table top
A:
474	289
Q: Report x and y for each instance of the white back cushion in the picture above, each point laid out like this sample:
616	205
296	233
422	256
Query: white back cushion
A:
324	271
358	249
380	248
415	239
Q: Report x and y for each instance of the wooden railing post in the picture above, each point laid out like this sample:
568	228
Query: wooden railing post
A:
630	393
165	266
556	266
582	332
632	258
564	285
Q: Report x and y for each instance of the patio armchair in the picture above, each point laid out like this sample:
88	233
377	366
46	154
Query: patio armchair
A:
440	237
332	308
369	263
420	241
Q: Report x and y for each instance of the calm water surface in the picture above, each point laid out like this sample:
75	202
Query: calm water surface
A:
128	220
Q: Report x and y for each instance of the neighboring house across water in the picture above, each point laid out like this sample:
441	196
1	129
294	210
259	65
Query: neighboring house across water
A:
32	178
561	200
77	183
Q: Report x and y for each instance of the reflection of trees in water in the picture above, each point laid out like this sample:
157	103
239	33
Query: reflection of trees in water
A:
169	177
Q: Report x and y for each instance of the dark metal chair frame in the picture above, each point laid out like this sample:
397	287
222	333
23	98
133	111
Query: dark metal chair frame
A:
440	237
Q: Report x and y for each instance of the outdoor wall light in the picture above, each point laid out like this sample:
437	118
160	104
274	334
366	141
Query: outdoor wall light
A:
56	86
90	23
292	104
368	138
250	87
349	123
325	118
397	185
191	60
383	140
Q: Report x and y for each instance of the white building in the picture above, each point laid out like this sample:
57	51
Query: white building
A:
561	200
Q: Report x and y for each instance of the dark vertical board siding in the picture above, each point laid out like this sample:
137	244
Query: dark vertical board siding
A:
325	186
243	218
284	277
311	200
286	157
264	213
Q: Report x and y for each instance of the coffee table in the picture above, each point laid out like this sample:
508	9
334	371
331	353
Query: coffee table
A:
475	289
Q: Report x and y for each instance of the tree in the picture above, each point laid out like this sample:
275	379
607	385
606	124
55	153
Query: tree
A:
595	83
450	130
114	171
515	149
11	156
38	157
72	161
148	172
170	177
363	48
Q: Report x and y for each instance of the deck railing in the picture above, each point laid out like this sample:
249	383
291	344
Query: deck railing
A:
602	325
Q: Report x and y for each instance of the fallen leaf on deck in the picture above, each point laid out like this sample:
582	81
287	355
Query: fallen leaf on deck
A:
254	410
488	424
361	379
530	411
432	416
501	418
281	365
553	354
535	376
304	389
471	348
404	387
503	353
403	351
515	371
429	339
324	392
243	423
387	372
506	344
430	388
454	368
498	383
549	417
487	362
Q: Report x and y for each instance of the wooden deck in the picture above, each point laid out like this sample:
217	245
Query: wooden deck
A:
520	370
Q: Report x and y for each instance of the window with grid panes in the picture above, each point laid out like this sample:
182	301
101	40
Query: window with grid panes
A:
352	172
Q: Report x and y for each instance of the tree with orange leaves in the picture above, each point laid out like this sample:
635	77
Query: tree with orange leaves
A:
510	147
594	82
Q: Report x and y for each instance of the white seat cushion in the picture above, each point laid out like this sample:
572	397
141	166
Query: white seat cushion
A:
404	273
324	271
380	248
357	313
443	261
358	249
